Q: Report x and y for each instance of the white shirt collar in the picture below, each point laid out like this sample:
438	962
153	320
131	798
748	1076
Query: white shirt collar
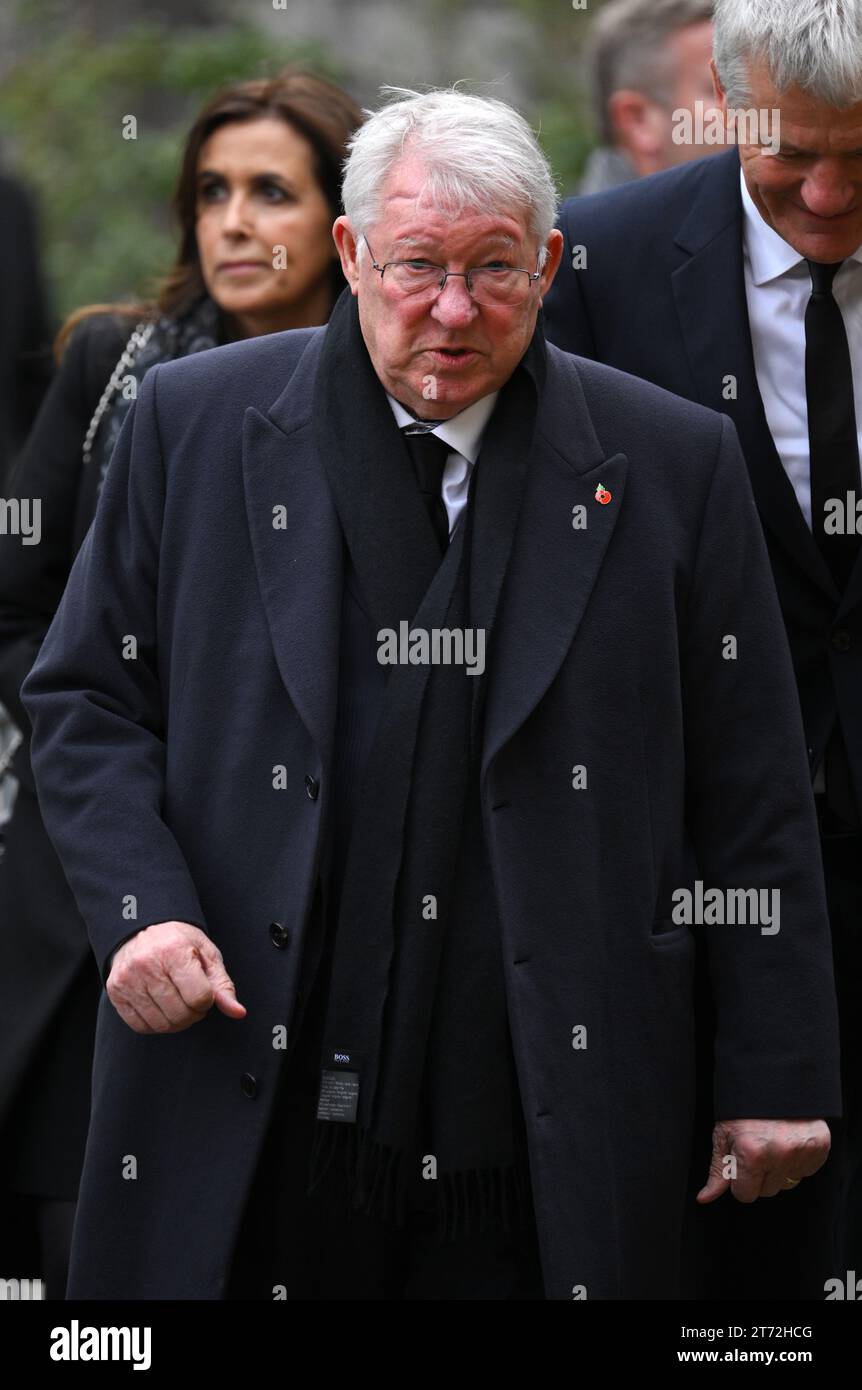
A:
769	255
463	432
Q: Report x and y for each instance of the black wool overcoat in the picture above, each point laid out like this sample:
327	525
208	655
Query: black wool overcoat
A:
611	655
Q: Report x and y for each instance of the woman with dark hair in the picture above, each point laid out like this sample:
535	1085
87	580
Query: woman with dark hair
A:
257	193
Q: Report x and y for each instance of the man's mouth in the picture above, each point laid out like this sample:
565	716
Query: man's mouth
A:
453	355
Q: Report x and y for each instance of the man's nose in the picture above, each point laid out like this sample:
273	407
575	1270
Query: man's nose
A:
827	191
454	305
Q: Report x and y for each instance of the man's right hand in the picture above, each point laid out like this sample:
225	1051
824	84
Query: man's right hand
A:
167	977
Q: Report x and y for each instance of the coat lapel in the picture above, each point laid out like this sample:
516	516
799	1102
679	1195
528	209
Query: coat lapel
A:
709	291
299	567
553	566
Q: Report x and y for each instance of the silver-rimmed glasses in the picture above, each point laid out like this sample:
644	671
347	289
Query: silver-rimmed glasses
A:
486	284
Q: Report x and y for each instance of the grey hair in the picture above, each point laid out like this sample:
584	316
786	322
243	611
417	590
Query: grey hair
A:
812	44
479	152
627	49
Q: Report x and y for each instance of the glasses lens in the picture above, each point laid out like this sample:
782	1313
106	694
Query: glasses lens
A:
412	277
500	286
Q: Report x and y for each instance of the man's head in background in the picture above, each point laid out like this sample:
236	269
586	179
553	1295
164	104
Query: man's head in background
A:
801	59
648	59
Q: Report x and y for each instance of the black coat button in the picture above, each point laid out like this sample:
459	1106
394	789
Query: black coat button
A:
248	1085
840	639
312	787
279	935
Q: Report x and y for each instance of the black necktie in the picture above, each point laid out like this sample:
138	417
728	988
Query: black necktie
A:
429	455
834	465
834	449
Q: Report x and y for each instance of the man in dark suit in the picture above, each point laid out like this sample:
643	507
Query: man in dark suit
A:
487	643
646	59
737	282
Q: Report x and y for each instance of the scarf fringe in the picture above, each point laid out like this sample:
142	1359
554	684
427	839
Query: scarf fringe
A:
469	1201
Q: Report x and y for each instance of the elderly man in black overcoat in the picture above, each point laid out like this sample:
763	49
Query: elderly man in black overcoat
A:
417	716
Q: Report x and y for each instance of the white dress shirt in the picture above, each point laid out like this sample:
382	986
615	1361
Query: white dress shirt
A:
463	433
777	288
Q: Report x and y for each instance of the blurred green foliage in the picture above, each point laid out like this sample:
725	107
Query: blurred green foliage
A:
105	200
555	74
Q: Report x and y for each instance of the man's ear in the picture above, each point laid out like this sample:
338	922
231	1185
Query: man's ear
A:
555	245
345	243
720	94
633	117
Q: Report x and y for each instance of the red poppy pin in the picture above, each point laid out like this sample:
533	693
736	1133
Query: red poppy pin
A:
602	495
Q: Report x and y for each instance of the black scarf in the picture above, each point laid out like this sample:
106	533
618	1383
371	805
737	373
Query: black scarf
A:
164	339
416	1019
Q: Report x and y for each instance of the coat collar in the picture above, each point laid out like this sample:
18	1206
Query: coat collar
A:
297	543
554	566
300	565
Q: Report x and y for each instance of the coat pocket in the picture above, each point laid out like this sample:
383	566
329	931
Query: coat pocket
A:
665	931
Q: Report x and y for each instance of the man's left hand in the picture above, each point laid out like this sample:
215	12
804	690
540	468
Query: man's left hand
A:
771	1156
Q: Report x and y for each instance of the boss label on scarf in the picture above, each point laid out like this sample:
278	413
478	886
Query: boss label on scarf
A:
339	1088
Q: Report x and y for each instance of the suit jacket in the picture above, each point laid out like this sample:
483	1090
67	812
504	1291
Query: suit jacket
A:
157	761
663	296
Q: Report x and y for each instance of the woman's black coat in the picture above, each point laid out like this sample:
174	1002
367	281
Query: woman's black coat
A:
49	984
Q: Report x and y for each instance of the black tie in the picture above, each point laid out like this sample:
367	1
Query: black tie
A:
834	448
834	466
429	455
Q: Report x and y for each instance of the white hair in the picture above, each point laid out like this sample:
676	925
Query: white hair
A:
479	153
812	44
